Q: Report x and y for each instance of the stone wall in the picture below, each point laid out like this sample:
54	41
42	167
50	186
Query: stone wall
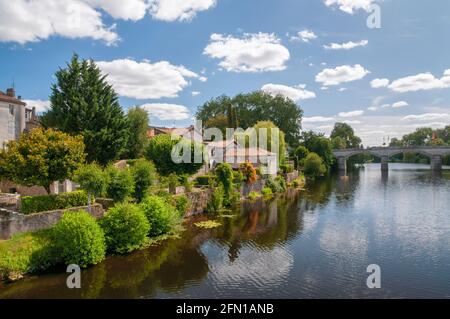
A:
198	200
289	177
9	201
13	223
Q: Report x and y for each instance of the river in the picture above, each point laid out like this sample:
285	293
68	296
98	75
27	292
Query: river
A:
316	243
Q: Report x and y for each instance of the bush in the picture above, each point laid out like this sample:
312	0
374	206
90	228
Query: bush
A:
125	227
253	196
186	183
215	203
120	183
249	173
235	198
161	215
181	203
79	239
37	204
205	180
274	185
300	155
238	177
298	182
314	166
282	183
173	183
287	168
144	175
266	191
92	179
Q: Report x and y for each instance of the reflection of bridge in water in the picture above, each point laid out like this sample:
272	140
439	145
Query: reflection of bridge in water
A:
435	155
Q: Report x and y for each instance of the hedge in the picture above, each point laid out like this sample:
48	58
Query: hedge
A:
37	204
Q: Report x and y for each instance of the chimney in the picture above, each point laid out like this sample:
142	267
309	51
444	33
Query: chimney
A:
11	92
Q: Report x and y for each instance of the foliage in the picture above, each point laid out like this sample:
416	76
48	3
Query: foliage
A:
138	121
319	144
338	143
254	195
79	239
209	224
314	166
254	107
287	168
267	191
280	146
215	203
161	215
144	175
346	136
92	179
205	180
125	227
249	173
300	154
298	182
160	148
181	203
186	183
82	102
120	183
173	183
37	204
238	177
224	174
281	182
26	253
274	185
41	157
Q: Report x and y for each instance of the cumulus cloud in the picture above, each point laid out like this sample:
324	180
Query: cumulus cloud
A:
427	117
176	10
422	81
346	46
167	112
350	6
341	74
379	83
40	105
294	93
400	104
24	21
305	36
351	114
118	9
195	93
256	52
146	80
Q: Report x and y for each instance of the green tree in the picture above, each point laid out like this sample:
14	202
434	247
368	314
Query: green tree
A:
120	183
224	173
82	102
314	166
42	157
319	144
346	133
300	155
92	179
281	151
338	143
159	151
138	122
254	107
144	174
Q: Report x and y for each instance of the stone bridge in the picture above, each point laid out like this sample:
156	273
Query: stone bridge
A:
384	153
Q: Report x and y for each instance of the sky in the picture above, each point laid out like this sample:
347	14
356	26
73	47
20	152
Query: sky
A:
385	78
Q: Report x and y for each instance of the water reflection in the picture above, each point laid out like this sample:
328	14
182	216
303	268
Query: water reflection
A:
316	243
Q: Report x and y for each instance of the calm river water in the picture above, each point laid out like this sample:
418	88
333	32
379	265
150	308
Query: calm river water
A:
313	244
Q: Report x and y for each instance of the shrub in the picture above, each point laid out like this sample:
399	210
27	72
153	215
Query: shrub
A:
314	166
204	180
215	203
298	182
37	204
92	179
224	174
144	175
120	183
249	173
79	239
125	227
274	185
161	215
238	177
282	183
235	198
266	191
186	183
173	183
287	168
253	196
300	155
181	203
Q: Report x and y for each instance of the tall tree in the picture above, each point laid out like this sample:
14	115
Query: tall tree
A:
347	134
319	144
138	122
254	107
82	102
42	157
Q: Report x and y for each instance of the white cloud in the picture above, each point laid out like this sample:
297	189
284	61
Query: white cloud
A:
400	104
24	21
40	105
350	6
372	108
346	46
146	80
427	117
203	79
195	93
342	89
294	93
379	83
252	53
178	10
120	9
167	112
352	122
317	119
351	114
305	36
422	81
341	74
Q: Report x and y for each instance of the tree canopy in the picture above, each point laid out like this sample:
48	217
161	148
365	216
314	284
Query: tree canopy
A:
138	120
245	110
319	144
82	102
42	157
346	136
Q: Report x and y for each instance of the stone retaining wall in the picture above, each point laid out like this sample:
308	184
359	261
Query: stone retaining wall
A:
13	223
289	177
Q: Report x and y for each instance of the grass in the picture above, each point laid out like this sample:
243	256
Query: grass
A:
26	253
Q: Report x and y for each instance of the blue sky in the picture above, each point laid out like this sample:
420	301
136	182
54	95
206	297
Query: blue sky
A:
173	55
